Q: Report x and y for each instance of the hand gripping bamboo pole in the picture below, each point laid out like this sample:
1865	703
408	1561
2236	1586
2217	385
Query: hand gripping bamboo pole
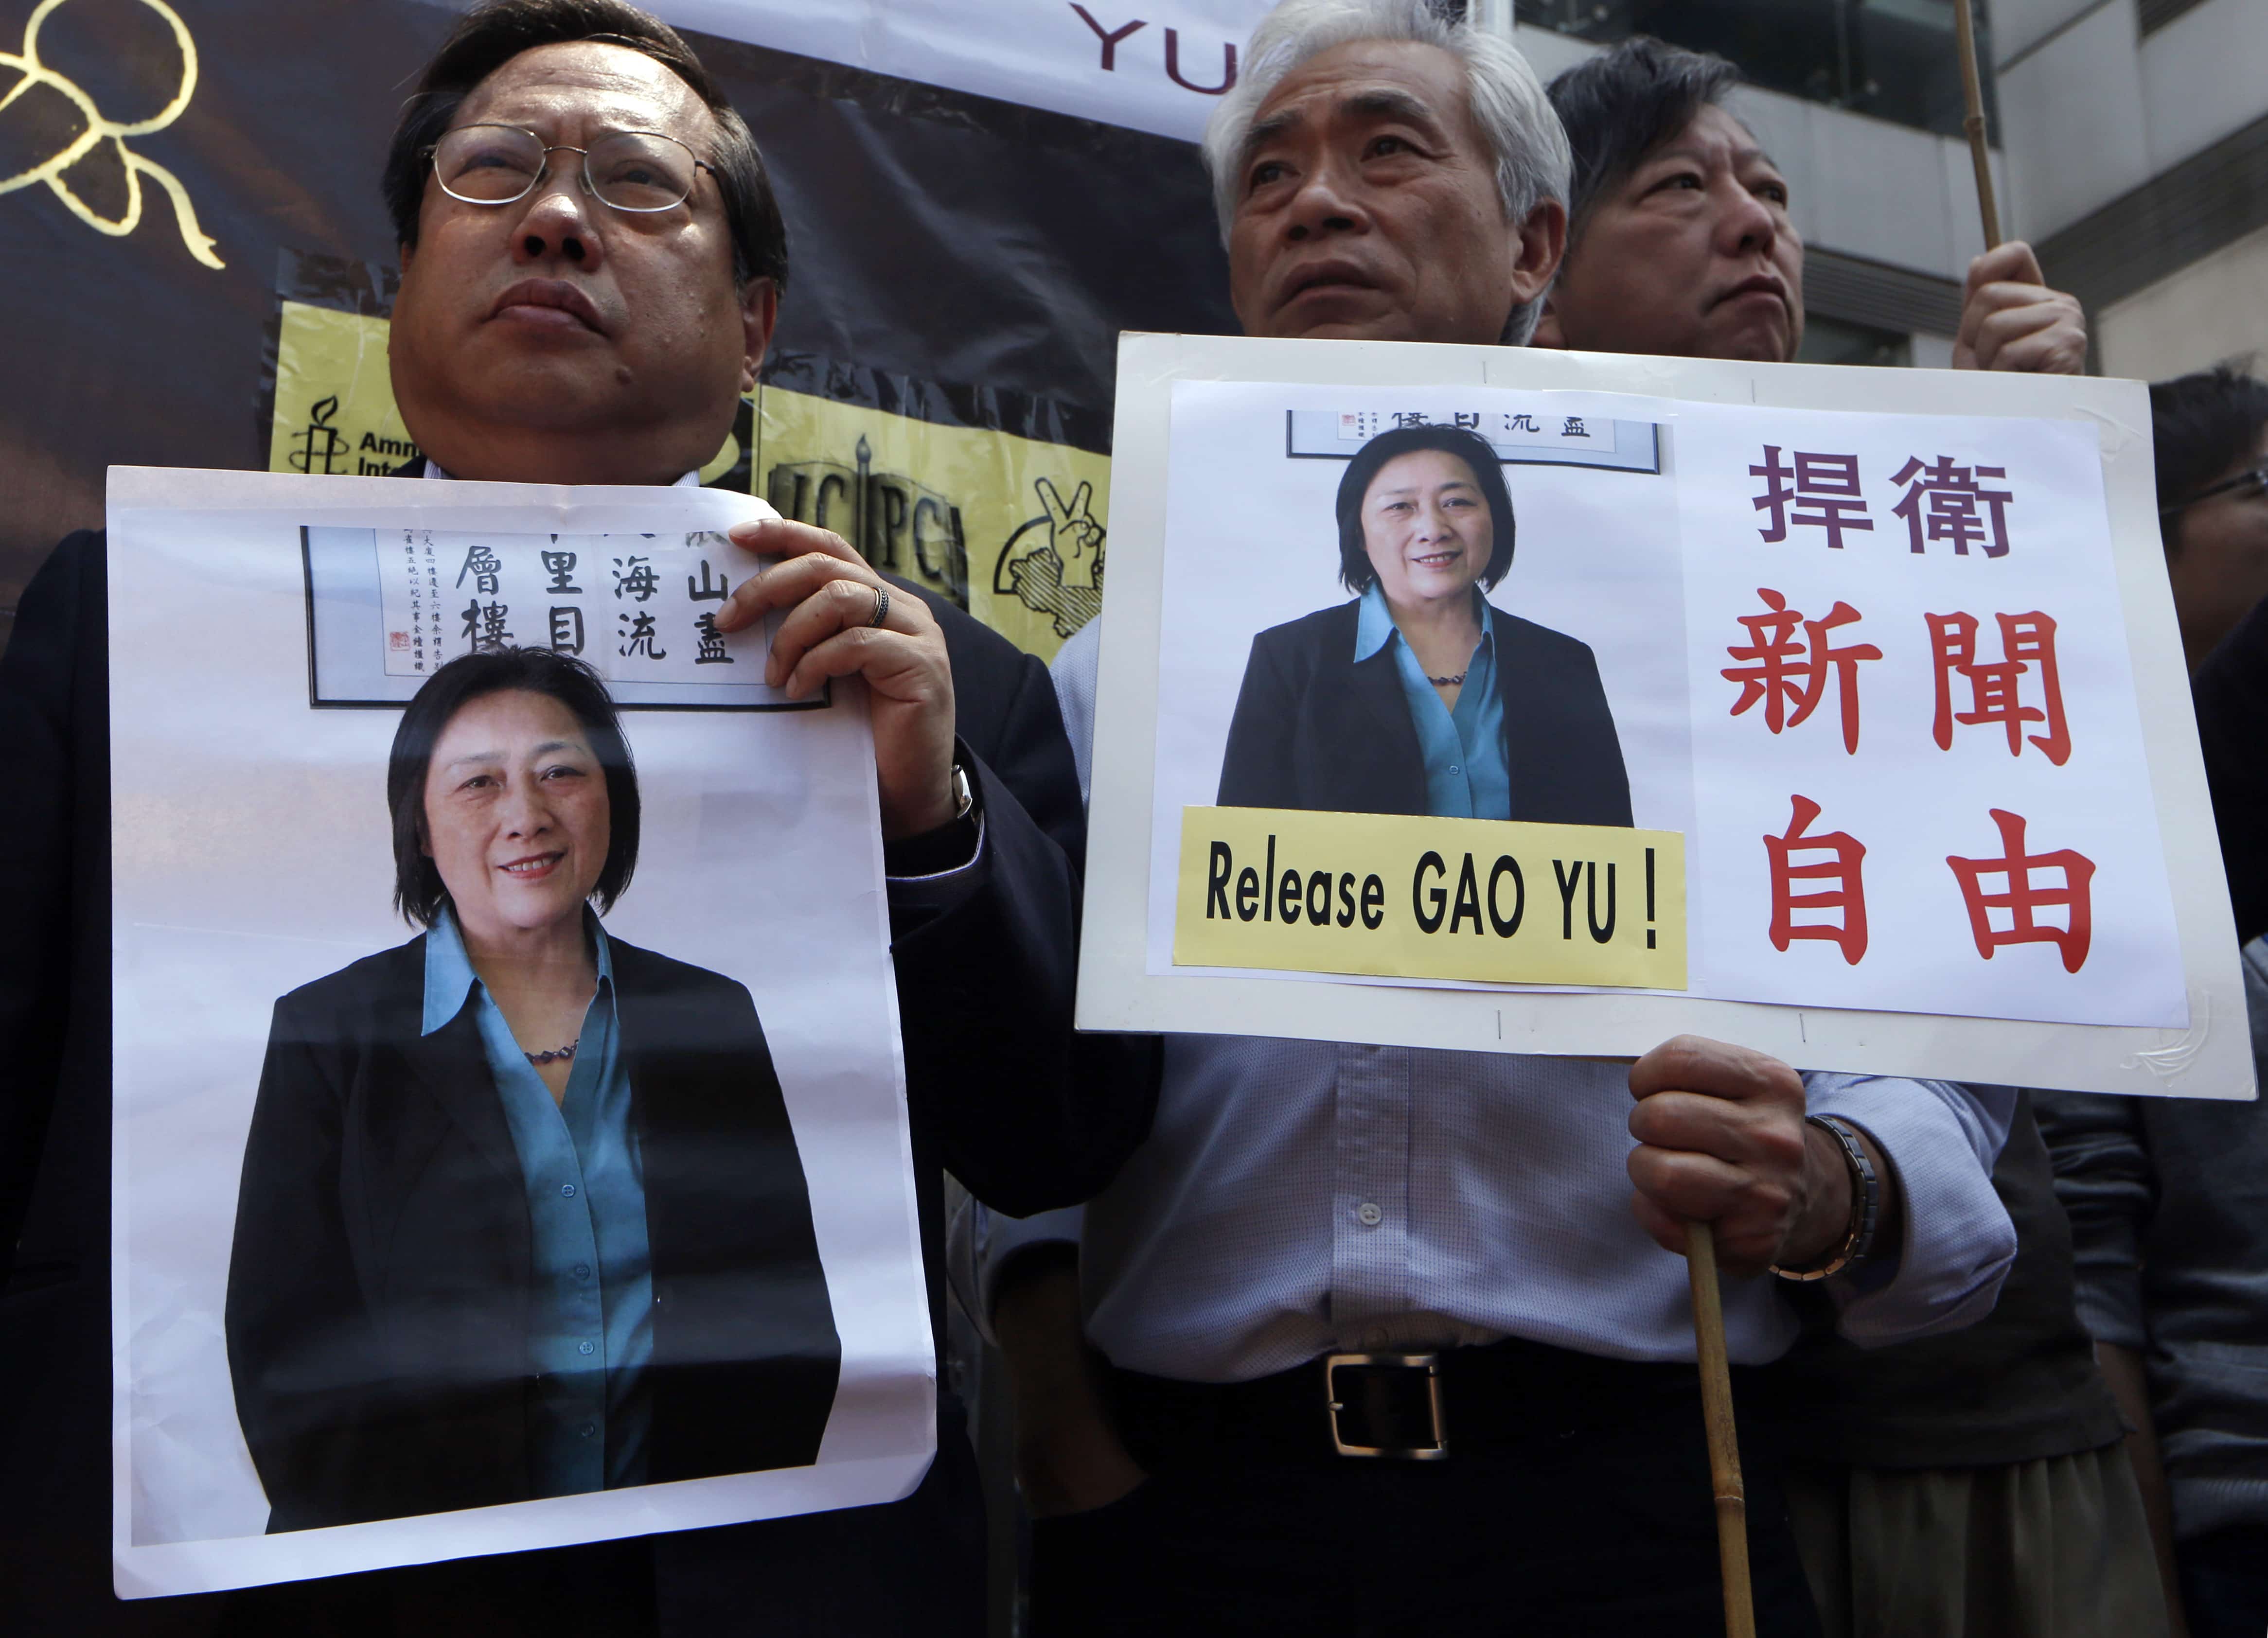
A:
1972	94
1717	1418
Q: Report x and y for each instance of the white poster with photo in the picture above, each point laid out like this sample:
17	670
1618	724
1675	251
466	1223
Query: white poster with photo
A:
1520	702
570	1200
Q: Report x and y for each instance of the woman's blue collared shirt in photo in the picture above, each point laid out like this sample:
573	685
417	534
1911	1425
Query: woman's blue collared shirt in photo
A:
592	1331
1466	776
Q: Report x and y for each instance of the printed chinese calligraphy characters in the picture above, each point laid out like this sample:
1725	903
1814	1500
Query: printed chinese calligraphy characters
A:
1846	897
484	628
634	578
638	636
1827	482
481	564
2022	899
2027	649
630	619
1953	495
1790	673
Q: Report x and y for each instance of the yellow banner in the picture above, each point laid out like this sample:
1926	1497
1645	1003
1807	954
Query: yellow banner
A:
1391	896
1012	528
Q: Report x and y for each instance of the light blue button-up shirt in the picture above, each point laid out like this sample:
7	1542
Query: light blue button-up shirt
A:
1465	773
591	1316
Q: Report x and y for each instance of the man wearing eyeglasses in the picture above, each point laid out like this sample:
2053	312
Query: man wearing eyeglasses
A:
593	262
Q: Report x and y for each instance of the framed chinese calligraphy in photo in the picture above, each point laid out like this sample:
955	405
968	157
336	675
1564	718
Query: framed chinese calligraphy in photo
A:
388	607
1505	700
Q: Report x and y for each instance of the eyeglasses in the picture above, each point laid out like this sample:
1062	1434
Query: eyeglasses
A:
2256	478
497	165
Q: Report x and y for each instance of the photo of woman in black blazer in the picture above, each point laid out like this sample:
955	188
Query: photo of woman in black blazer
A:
1419	696
521	1212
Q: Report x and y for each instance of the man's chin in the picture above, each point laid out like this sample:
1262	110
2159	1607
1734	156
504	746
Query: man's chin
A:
550	395
1365	316
1752	342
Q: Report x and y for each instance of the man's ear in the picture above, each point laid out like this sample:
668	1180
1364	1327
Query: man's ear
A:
759	315
1541	243
1548	332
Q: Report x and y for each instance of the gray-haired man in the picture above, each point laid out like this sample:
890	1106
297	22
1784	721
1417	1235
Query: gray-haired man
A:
1384	174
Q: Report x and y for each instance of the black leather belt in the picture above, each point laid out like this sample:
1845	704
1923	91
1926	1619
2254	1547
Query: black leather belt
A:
1410	1406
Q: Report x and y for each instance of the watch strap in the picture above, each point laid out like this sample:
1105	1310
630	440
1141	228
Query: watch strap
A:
1865	1205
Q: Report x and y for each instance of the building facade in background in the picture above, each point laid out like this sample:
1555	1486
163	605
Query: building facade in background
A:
2137	137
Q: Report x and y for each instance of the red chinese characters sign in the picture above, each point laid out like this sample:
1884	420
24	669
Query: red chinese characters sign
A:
1886	693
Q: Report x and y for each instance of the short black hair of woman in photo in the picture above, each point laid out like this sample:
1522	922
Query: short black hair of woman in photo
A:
418	893
492	34
1355	570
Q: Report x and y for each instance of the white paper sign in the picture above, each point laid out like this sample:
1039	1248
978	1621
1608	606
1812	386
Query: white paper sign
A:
1886	671
254	855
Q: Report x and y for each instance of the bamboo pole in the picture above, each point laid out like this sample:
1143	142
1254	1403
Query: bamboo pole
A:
1972	93
1717	1419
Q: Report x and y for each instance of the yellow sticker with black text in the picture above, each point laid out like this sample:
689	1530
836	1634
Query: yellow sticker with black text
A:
1397	896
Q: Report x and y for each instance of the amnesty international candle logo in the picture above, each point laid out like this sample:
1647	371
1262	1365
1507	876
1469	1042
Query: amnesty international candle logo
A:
1400	896
82	151
321	448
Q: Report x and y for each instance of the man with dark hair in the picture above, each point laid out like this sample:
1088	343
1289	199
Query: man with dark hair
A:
591	264
1968	1482
2164	1193
1679	240
752	213
2210	432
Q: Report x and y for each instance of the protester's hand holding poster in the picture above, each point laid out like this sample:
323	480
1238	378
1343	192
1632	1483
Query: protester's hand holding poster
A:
509	1136
1516	702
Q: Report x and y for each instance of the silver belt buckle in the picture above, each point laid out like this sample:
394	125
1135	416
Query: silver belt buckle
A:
1438	1445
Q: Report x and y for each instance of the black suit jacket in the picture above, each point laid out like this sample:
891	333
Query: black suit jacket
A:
1315	729
999	1088
380	1285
